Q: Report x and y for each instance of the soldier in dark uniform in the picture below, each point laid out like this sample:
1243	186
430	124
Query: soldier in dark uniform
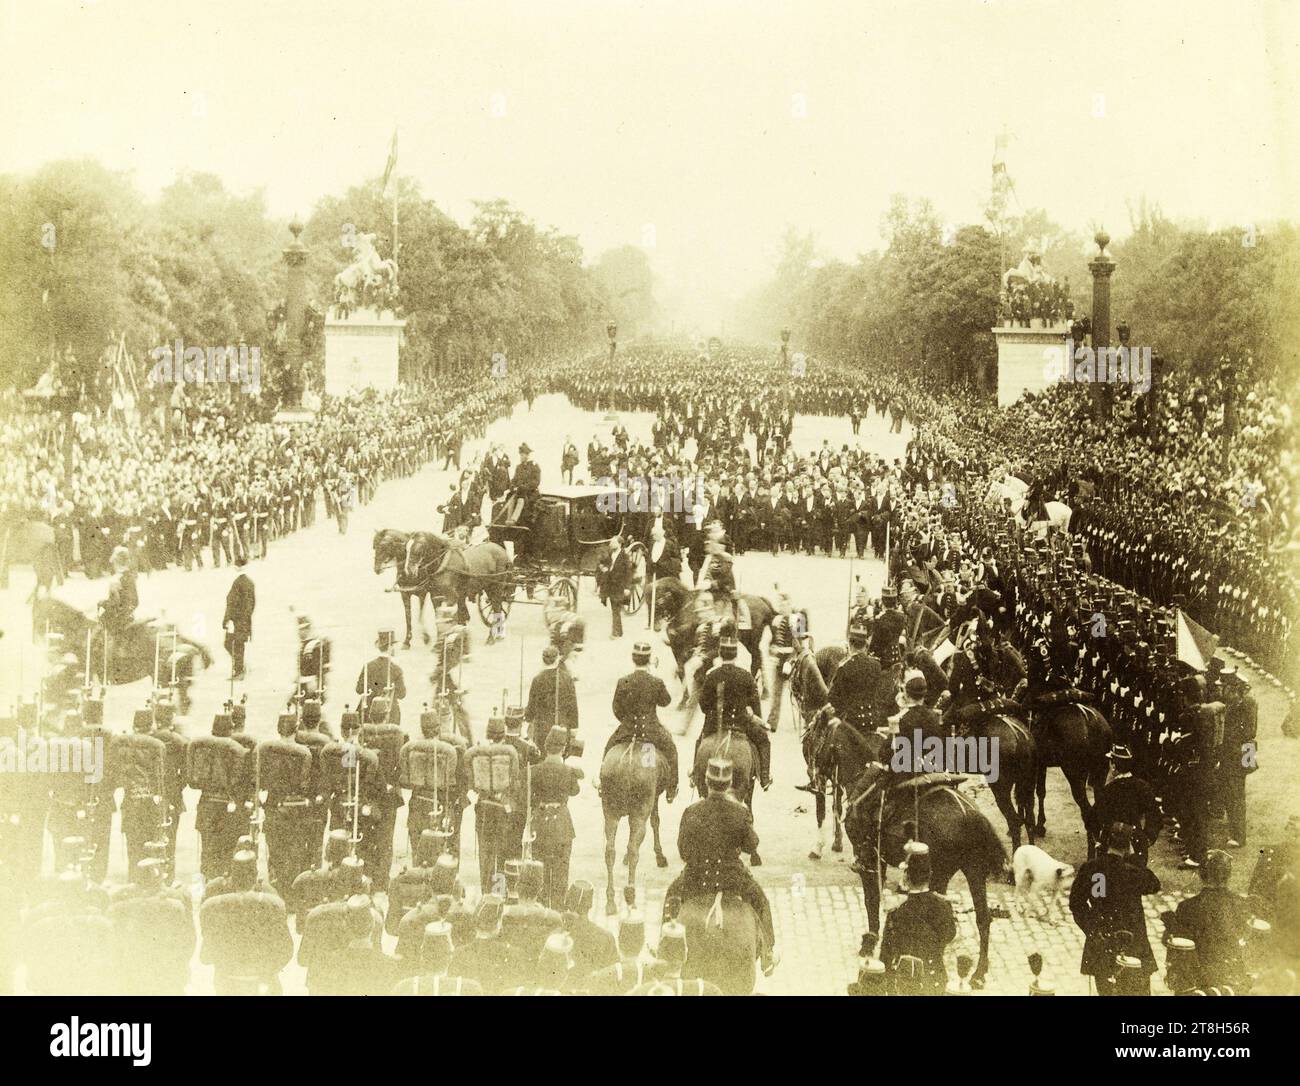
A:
1129	801
1218	922
215	767
854	691
594	948
153	934
137	767
245	932
487	959
553	783
729	699
433	979
283	770
529	756
917	931
378	676
1239	755
495	778
434	768
238	619
713	833
638	697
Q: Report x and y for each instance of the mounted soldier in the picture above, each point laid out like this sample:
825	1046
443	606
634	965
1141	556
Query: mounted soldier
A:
730	701
854	691
714	832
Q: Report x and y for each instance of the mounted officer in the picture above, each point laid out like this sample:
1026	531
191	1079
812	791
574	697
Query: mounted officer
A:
854	691
714	832
638	697
729	699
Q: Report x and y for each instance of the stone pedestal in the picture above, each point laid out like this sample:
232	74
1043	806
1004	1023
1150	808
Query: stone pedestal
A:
361	350
1029	358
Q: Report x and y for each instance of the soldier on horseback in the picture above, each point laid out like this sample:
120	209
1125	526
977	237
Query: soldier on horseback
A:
730	701
852	695
714	832
638	696
719	577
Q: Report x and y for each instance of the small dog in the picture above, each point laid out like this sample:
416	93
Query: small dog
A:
1038	877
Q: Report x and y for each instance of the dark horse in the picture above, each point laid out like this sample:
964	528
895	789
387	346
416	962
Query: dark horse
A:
131	654
433	566
959	836
1076	738
393	548
675	607
810	676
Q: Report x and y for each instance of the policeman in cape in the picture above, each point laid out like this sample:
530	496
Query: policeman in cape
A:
714	831
729	699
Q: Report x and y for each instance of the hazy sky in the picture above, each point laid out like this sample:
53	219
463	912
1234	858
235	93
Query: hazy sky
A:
698	128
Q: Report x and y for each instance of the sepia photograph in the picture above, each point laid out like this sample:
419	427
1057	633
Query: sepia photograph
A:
648	497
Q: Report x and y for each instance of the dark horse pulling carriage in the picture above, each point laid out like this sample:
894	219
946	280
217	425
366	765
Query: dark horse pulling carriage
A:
563	542
566	535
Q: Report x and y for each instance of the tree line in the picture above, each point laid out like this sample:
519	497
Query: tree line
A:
87	258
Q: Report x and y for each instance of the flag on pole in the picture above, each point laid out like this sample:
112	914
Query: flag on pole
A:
1195	643
391	164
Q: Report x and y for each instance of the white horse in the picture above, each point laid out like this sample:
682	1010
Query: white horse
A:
1012	493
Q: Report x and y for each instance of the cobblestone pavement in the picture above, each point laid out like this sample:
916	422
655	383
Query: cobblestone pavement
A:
817	904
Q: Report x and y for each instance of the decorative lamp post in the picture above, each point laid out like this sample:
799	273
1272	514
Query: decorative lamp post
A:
611	330
1102	268
785	347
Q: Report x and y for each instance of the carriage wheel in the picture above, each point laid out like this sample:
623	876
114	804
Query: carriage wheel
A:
636	594
485	608
564	588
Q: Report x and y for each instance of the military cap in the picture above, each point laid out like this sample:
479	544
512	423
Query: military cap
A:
719	772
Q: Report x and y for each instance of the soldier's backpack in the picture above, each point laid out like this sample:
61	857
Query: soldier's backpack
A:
386	740
430	764
138	765
494	772
283	768
214	764
69	762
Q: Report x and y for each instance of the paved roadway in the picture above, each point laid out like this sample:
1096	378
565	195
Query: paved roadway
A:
328	576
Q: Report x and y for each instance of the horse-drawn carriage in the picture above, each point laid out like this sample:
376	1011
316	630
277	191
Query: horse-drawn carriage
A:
566	534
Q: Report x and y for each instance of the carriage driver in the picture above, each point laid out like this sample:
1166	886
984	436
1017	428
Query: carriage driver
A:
522	498
714	832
